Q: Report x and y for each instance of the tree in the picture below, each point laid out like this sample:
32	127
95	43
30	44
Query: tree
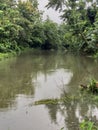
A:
79	17
29	16
8	28
17	21
52	37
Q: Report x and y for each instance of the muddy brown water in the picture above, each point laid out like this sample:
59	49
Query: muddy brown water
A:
39	75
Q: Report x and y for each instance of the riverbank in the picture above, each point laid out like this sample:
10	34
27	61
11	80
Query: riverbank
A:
6	55
13	53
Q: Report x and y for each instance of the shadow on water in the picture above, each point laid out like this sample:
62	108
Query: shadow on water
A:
39	75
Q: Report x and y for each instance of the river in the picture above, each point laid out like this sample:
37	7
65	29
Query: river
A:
37	75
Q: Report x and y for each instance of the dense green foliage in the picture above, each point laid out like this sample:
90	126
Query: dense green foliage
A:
88	125
16	24
81	18
21	26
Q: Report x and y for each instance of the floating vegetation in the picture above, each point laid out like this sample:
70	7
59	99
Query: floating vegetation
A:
66	99
84	97
47	101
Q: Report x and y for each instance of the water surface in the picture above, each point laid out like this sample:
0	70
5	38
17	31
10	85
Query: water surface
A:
39	75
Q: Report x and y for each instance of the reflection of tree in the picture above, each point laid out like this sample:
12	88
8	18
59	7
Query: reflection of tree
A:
73	111
18	76
71	119
82	68
52	111
13	82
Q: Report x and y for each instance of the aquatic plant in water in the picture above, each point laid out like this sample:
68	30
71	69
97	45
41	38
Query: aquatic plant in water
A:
88	125
47	101
65	99
91	87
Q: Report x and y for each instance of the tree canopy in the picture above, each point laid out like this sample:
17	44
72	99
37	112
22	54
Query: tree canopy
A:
21	26
81	20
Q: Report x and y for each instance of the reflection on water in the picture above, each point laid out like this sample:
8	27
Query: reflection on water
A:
39	75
